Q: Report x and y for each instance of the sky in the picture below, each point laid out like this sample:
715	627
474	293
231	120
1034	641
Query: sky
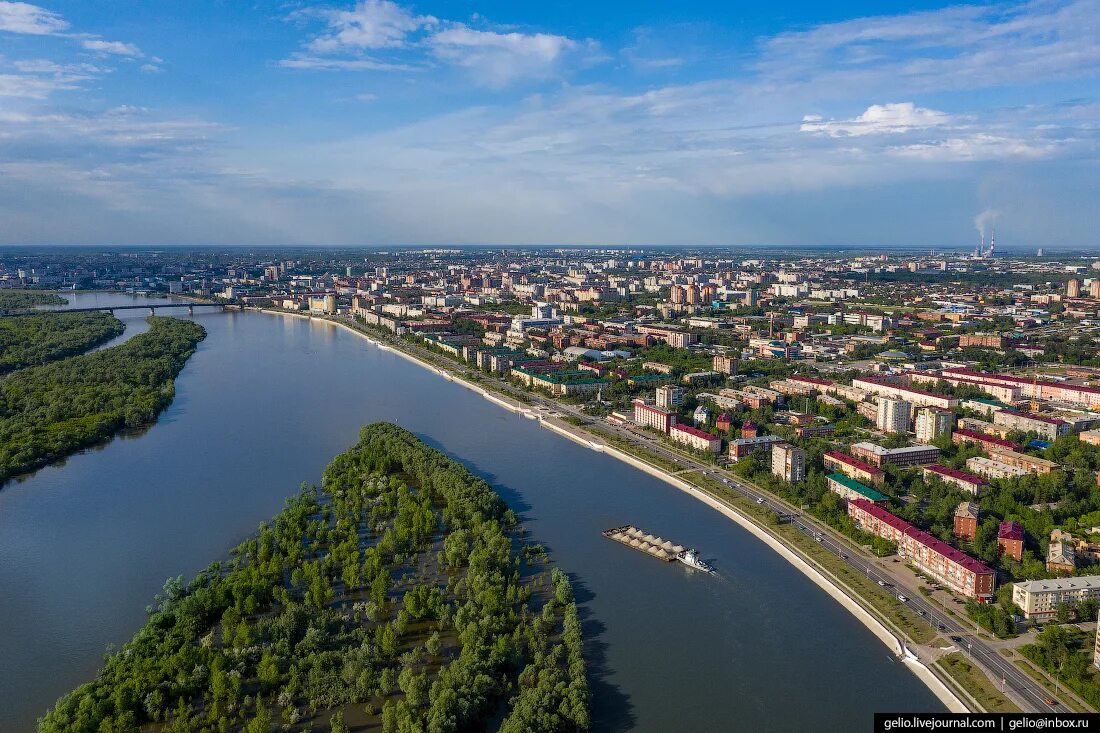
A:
373	122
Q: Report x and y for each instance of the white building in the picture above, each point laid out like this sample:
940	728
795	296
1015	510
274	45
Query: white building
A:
788	462
989	468
932	424
893	415
1040	599
669	397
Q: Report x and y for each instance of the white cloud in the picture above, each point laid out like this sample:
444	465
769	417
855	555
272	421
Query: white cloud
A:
499	58
955	48
18	17
116	48
879	119
372	24
321	63
379	35
979	147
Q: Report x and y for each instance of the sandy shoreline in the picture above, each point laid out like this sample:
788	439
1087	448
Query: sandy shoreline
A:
925	675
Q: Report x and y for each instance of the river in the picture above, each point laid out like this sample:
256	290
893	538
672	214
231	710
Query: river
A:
265	403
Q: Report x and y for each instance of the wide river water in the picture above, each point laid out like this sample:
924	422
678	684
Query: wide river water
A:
268	400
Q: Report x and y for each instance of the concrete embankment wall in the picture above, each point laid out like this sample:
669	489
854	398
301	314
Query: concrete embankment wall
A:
925	675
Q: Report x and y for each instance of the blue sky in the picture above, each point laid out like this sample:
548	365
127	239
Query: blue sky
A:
197	122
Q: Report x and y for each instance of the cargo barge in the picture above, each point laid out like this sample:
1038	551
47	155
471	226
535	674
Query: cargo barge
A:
657	547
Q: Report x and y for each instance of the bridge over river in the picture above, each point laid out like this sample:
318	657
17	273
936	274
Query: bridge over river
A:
151	307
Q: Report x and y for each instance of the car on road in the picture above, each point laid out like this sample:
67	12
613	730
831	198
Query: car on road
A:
760	500
882	583
903	599
920	612
844	556
1050	701
942	627
818	538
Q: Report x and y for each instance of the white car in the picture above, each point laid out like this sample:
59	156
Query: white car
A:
760	500
903	599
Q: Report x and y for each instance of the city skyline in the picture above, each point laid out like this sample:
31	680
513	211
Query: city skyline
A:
380	123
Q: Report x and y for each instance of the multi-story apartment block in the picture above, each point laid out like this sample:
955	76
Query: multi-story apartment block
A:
651	416
965	481
950	566
932	424
695	438
669	397
1040	599
966	520
854	467
848	488
893	415
914	455
1046	427
788	462
725	365
1010	540
990	468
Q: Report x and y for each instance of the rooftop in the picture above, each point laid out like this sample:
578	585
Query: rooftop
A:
1060	584
850	483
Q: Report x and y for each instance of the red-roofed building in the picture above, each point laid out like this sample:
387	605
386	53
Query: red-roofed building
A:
724	422
962	479
1038	389
986	441
946	564
651	416
1010	540
854	468
749	430
695	438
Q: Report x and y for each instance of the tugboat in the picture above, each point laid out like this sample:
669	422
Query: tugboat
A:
692	560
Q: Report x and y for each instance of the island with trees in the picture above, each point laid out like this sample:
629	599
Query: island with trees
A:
401	595
20	300
39	338
51	411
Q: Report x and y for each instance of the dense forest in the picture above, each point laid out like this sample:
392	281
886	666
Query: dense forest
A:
48	412
40	338
19	300
397	597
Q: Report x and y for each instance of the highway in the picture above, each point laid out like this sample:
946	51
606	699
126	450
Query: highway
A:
1016	681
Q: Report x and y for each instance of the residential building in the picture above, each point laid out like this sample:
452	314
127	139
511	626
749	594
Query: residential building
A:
967	516
884	387
1046	427
695	438
1062	553
932	424
986	441
854	467
788	462
1029	463
669	397
651	416
914	455
1010	540
1040	599
965	481
848	488
950	566
725	365
992	469
744	446
893	415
